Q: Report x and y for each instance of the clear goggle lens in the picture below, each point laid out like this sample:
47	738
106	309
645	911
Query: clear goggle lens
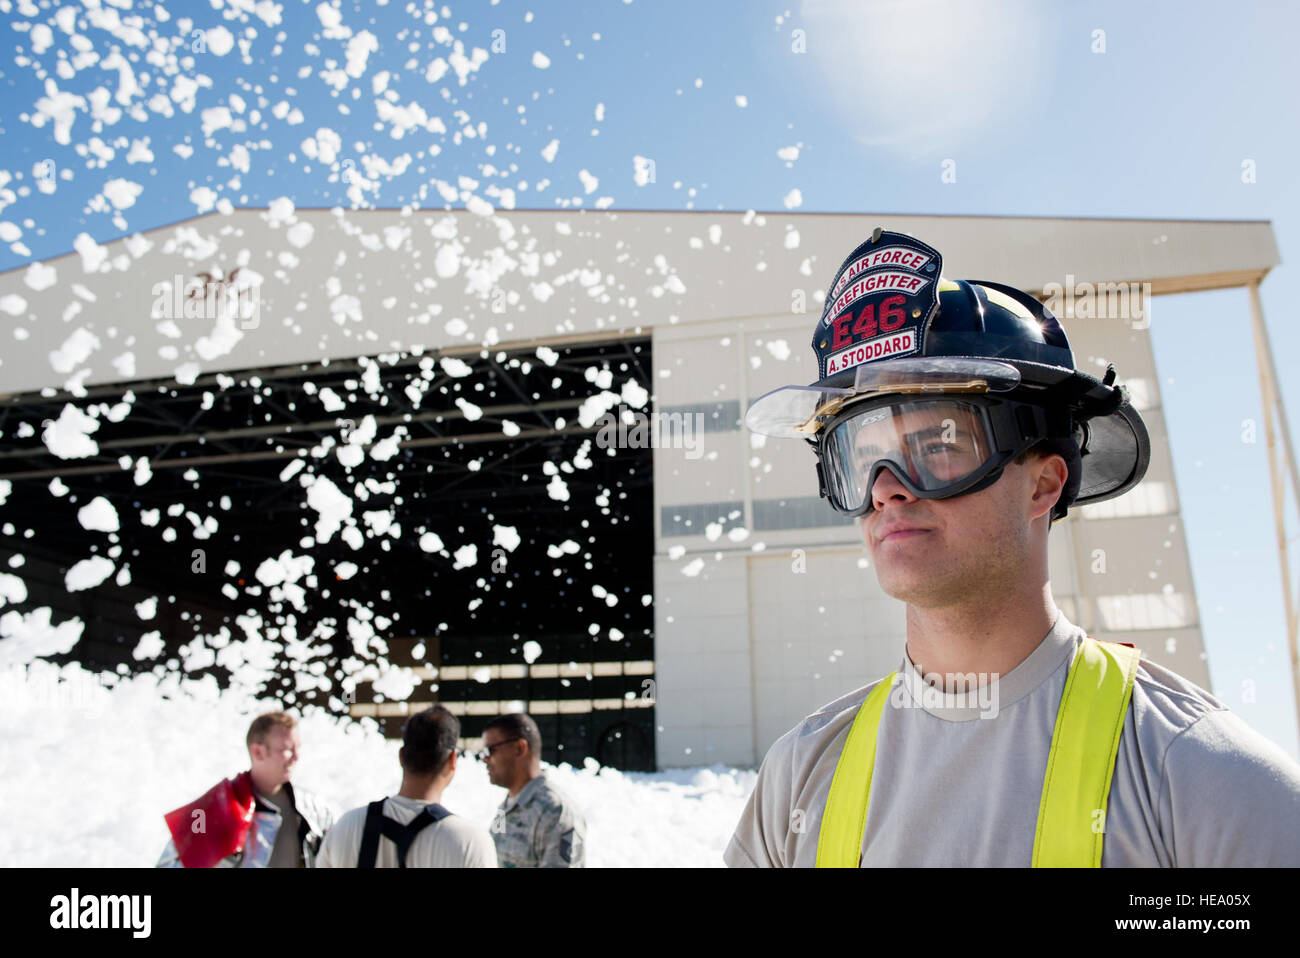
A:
939	445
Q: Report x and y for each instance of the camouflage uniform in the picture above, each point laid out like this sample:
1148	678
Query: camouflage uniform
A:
540	827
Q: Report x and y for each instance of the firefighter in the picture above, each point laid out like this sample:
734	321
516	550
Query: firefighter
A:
950	419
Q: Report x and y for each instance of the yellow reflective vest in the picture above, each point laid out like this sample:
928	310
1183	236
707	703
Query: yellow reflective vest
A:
1072	812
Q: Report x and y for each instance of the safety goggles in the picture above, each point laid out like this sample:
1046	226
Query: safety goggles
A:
936	447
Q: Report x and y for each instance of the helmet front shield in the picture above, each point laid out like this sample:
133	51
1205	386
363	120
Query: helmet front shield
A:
800	412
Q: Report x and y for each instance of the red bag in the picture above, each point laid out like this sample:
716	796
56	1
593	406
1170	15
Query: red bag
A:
225	812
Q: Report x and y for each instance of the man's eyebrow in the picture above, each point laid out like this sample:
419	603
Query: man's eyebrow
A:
937	431
922	434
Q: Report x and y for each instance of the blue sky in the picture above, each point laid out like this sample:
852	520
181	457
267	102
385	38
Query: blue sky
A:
1037	121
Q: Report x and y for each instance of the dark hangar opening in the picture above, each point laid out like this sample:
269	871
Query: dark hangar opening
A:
561	625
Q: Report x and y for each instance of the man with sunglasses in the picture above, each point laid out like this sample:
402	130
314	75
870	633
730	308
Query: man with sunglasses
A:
537	825
412	829
950	419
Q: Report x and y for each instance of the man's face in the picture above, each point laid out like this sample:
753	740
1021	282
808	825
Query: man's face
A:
937	552
502	757
275	760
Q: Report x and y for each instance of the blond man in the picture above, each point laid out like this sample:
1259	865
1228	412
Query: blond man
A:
257	819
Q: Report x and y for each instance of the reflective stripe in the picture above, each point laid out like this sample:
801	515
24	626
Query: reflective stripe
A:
1075	786
1085	742
844	823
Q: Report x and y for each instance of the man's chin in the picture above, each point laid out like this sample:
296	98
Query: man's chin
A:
914	588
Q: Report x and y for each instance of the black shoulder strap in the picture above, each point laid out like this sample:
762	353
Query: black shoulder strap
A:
403	836
370	837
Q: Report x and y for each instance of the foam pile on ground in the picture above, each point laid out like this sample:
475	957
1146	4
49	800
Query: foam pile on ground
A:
87	771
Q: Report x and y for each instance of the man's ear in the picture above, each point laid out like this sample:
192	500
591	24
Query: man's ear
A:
448	770
1050	474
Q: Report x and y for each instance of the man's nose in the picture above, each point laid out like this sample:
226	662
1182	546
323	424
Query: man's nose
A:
887	487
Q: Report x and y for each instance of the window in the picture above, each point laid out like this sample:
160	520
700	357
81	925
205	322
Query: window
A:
1151	610
1151	498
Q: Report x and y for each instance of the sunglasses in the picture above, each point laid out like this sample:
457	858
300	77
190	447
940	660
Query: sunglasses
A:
483	753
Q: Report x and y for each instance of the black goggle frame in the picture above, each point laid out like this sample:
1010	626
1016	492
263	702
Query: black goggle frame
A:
1011	427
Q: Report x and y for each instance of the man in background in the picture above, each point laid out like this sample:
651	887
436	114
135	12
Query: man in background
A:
412	829
537	825
256	819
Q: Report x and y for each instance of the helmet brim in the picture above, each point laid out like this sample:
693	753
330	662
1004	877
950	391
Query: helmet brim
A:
1115	456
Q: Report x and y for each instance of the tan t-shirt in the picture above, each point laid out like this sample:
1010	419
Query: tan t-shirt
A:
1193	784
453	842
